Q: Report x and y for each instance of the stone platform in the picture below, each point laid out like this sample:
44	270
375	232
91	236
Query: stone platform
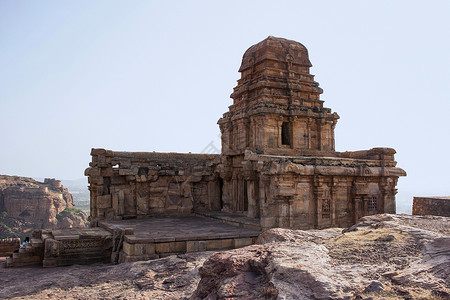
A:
232	219
134	240
54	248
155	237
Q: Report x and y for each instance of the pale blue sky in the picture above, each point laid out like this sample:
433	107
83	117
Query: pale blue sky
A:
157	75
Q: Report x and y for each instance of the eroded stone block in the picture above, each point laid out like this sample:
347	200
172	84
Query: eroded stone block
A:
104	201
195	246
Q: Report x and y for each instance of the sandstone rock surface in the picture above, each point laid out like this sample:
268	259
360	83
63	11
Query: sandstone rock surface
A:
381	257
28	204
173	277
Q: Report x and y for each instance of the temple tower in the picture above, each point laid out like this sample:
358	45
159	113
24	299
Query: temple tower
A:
276	105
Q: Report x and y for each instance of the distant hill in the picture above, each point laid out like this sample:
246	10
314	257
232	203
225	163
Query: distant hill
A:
80	183
80	192
27	204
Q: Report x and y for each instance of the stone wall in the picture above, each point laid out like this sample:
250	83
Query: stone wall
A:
437	206
8	246
310	192
75	246
133	184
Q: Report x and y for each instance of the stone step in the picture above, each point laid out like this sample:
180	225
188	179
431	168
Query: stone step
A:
45	236
50	263
26	259
37	243
28	248
232	219
26	264
25	252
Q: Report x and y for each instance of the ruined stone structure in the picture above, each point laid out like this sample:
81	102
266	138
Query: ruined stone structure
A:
278	164
436	206
125	184
8	246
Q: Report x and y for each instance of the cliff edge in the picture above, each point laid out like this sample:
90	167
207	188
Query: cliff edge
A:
27	204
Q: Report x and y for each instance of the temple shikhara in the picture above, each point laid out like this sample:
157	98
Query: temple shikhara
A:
278	166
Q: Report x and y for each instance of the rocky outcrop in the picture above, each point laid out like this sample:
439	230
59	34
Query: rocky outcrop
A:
173	277
381	256
30	204
71	219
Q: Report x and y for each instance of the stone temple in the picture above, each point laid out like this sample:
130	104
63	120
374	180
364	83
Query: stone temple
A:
278	166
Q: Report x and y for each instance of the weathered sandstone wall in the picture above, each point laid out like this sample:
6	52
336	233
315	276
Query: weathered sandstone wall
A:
130	184
278	161
8	246
436	206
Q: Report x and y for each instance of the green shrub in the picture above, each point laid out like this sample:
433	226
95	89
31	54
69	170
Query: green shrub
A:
75	211
68	210
5	231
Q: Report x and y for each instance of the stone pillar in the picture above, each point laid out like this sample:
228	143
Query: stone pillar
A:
291	213
242	192
252	194
93	193
357	200
268	209
332	136
227	195
279	129
309	132
319	133
318	205
235	195
121	201
283	212
388	192
262	186
115	201
333	199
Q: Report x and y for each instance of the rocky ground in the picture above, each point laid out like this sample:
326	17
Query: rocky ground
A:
174	277
381	257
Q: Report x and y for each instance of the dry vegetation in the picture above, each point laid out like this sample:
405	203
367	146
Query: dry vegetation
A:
376	247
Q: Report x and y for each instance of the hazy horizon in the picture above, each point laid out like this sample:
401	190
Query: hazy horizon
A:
156	76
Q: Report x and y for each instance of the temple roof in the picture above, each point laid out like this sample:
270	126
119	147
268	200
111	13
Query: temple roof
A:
275	49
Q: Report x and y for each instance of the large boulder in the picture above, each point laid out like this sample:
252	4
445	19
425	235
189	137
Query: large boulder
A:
381	256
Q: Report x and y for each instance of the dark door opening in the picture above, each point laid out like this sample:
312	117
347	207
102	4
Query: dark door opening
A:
286	134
